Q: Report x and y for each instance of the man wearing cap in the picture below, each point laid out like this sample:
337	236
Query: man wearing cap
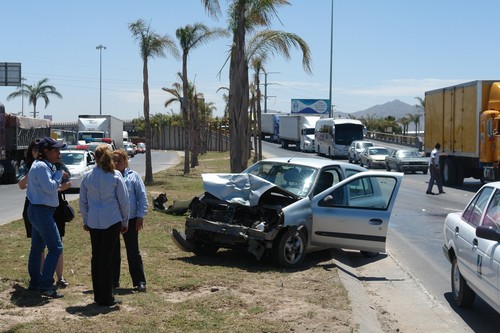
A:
43	184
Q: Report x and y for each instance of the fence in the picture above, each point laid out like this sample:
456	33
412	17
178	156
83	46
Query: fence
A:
407	140
172	138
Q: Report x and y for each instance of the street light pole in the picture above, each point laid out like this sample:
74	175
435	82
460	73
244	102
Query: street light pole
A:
22	96
100	47
331	63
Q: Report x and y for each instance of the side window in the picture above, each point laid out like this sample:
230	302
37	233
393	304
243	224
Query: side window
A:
474	211
350	172
492	216
370	192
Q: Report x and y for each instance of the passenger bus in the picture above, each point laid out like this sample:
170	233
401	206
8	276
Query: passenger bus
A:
333	136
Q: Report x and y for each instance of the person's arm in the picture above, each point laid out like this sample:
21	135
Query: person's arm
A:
23	182
142	201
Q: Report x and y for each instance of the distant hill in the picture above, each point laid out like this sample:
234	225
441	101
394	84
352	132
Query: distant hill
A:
396	108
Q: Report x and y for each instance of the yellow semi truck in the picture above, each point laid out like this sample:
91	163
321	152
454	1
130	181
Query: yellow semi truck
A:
465	119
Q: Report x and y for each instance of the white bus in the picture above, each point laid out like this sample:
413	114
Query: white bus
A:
333	136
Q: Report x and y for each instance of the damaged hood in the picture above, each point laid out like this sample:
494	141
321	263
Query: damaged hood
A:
242	188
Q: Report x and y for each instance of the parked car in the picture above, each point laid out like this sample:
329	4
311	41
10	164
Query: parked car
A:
282	208
356	148
141	147
373	157
471	244
129	148
78	162
406	160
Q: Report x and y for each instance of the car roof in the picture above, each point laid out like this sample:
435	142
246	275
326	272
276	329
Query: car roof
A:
312	162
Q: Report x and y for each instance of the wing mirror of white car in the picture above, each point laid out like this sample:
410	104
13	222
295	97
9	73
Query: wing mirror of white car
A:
490	233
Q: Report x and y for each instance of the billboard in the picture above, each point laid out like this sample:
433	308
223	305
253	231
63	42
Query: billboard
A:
311	106
10	73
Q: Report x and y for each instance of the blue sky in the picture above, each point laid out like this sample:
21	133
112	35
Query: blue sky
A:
383	50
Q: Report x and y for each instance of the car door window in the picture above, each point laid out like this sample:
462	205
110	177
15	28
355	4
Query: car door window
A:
492	216
474	211
371	192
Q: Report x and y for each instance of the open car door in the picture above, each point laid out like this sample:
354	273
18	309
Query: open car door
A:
354	214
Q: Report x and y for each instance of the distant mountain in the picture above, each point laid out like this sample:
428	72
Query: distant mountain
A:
396	108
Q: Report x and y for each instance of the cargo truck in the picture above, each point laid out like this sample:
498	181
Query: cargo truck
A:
16	133
297	130
99	127
270	126
464	119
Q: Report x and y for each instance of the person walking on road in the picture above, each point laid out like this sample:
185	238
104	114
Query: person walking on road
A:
104	205
434	170
43	184
138	209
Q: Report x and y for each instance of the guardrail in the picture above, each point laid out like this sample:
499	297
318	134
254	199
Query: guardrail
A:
406	140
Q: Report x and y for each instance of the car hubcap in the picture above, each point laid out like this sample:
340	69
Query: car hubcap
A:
293	249
456	281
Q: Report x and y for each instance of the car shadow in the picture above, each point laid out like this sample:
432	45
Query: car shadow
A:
480	317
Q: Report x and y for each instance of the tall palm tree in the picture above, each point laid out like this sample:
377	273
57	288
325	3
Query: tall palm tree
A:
190	37
151	45
415	118
244	16
33	92
260	47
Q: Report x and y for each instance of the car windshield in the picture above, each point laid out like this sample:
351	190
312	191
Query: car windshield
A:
378	151
365	144
72	158
408	153
297	179
141	145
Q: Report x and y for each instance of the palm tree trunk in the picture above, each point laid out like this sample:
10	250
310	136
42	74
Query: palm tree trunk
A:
185	114
147	124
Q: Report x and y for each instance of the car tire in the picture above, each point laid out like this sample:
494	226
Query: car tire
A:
289	249
425	171
205	250
462	293
387	167
369	254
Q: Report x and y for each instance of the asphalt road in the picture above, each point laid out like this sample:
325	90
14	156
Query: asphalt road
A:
12	198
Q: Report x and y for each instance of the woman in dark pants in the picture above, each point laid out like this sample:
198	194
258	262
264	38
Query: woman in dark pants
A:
138	209
104	206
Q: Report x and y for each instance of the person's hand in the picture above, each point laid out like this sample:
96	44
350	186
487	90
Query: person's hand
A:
64	186
124	229
86	227
65	175
139	223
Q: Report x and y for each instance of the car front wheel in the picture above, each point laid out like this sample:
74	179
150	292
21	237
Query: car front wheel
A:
462	293
290	249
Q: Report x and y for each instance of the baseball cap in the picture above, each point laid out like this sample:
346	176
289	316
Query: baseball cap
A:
48	143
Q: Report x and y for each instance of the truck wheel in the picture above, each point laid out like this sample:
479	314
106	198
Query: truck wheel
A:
10	170
459	178
449	172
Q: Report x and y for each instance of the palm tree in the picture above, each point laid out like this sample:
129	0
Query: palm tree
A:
244	16
415	118
190	37
260	47
33	92
151	45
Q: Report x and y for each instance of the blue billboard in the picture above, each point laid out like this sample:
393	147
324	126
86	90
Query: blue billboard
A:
311	106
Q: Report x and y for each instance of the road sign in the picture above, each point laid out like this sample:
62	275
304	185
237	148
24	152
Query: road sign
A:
10	73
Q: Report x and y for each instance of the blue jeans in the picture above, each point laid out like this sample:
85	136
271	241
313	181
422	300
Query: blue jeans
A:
44	233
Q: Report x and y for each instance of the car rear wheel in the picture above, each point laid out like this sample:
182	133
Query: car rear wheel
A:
290	249
205	250
462	293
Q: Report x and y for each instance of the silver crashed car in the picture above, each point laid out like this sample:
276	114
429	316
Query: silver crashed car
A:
283	208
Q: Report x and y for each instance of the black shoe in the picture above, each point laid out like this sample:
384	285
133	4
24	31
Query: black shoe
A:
142	287
432	193
442	192
62	283
51	293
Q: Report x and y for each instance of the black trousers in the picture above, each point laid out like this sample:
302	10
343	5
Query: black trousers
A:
103	243
134	259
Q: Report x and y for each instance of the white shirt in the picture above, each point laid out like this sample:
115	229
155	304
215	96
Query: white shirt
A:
434	157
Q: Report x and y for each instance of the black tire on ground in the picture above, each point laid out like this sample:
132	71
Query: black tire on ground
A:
449	172
462	293
289	249
425	171
369	254
459	177
205	250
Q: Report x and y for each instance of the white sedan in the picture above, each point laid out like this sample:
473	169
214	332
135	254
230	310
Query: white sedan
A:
471	244
78	162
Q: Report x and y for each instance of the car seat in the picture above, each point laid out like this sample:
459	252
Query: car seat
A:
291	176
325	180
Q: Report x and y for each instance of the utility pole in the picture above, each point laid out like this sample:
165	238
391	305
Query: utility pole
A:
100	47
265	88
22	97
331	64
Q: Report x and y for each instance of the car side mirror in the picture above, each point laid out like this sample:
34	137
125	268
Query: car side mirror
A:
489	233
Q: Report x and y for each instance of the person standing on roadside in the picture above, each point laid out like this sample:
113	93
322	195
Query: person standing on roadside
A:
104	205
43	184
138	209
435	171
